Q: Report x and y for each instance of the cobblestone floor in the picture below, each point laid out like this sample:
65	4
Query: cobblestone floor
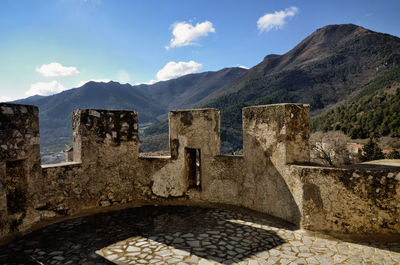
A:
186	235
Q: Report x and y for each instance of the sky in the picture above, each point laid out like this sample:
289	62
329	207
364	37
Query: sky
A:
47	46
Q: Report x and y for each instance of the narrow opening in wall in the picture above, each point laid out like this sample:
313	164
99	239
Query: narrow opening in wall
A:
193	167
56	139
231	134
154	139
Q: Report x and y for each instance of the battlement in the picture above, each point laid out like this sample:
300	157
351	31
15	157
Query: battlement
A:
107	172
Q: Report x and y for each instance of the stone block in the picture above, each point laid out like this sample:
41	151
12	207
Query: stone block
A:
195	128
281	131
98	131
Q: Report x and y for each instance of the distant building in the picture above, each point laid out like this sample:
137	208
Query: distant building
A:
354	148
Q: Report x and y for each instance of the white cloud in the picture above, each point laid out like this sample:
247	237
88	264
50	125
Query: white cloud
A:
123	77
185	33
56	69
152	81
174	70
276	20
45	88
244	67
5	99
94	80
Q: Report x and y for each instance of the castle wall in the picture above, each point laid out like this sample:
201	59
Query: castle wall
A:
274	136
351	201
107	171
225	180
19	163
194	129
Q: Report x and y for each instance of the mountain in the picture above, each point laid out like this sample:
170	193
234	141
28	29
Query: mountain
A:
335	65
55	112
192	88
328	68
333	59
29	100
370	116
111	95
152	102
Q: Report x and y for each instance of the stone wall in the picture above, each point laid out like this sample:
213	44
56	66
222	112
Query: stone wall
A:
19	163
193	129
107	171
274	136
352	201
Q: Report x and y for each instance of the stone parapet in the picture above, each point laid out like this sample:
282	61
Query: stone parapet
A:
95	132
194	139
19	164
280	131
350	201
19	131
107	171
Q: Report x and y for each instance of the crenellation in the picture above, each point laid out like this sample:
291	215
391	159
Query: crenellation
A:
20	163
273	137
193	129
281	130
19	127
270	177
96	131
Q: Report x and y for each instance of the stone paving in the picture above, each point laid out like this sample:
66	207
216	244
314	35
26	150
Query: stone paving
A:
187	235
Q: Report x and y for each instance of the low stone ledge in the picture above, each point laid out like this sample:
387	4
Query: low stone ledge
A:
61	165
350	200
229	157
154	157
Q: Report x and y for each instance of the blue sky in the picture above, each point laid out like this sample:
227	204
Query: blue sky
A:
47	46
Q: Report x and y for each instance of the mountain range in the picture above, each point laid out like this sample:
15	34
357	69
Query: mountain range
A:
328	68
152	102
334	65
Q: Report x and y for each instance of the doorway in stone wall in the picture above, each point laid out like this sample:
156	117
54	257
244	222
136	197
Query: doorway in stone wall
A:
193	167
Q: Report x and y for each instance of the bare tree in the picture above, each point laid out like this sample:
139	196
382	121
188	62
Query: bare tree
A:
332	148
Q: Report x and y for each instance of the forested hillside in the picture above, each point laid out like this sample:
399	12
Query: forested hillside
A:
371	116
336	65
332	66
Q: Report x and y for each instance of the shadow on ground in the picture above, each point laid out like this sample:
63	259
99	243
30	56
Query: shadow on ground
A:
227	235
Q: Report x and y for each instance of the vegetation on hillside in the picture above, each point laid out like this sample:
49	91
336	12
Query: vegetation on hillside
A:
394	154
371	151
371	116
331	149
328	68
334	65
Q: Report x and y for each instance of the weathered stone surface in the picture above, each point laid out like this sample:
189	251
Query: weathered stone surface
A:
349	200
223	173
107	172
195	129
19	165
274	136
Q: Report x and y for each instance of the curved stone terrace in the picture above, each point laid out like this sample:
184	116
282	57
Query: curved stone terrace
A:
187	235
